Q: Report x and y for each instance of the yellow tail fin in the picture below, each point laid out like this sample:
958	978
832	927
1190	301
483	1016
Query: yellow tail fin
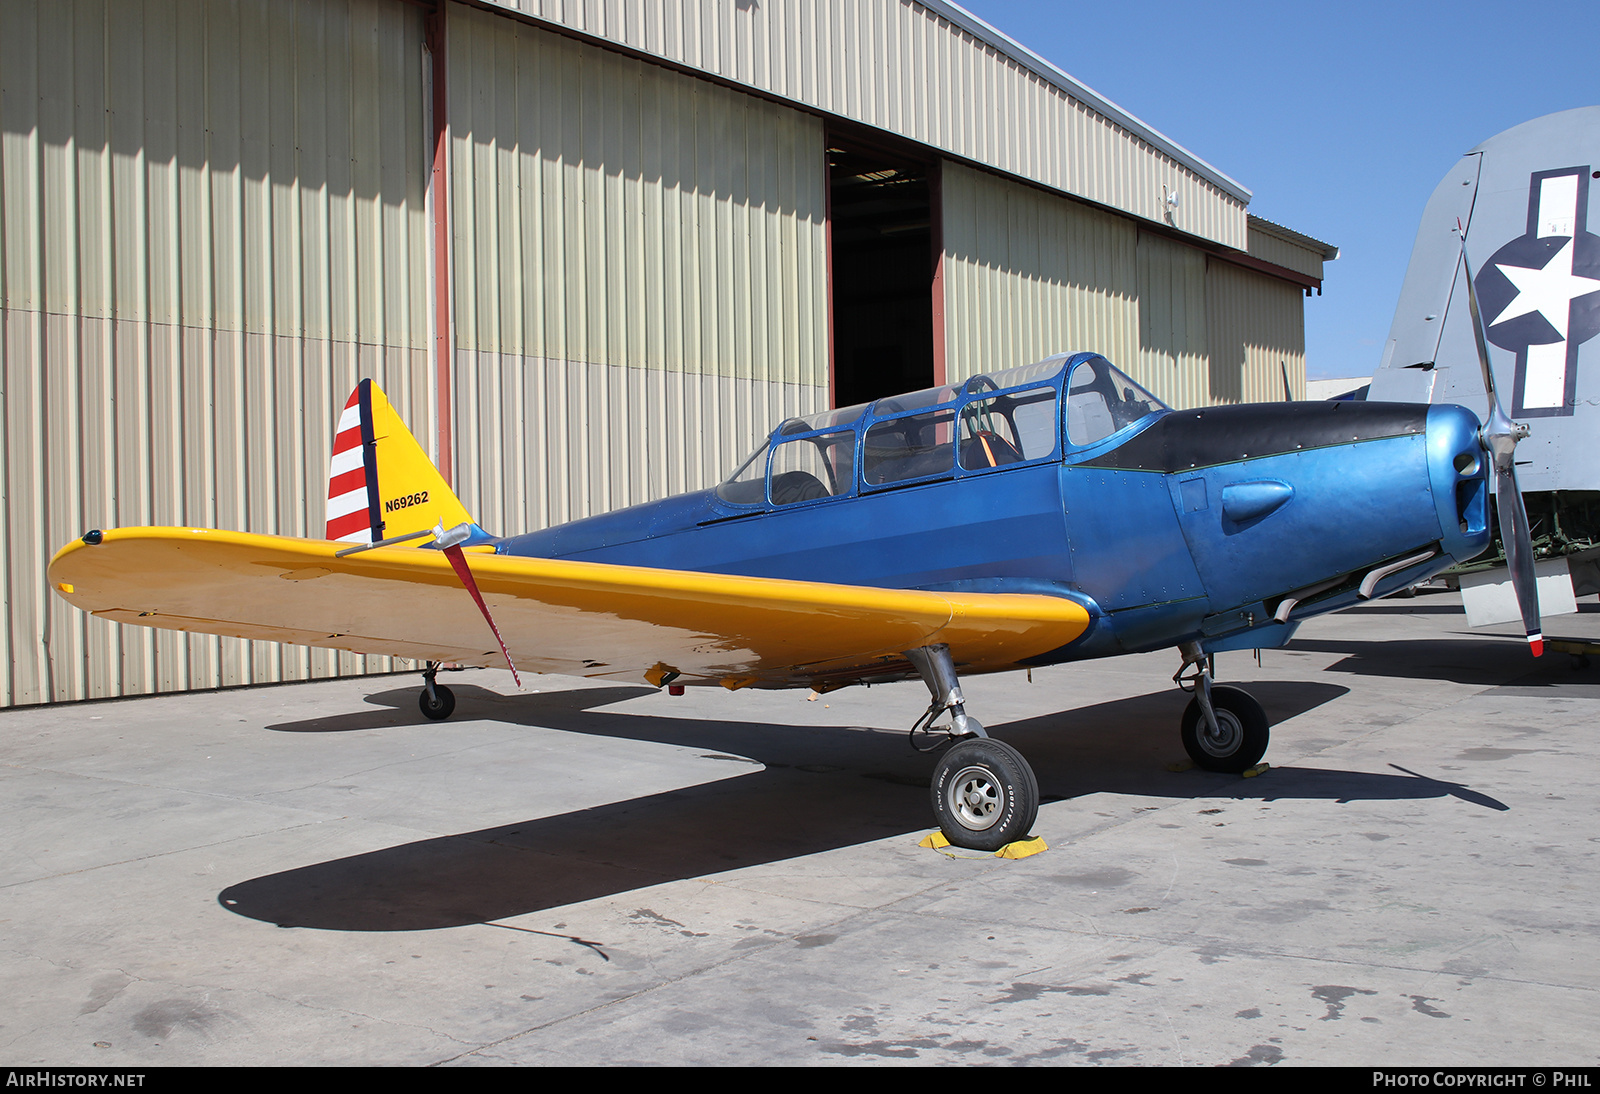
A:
381	483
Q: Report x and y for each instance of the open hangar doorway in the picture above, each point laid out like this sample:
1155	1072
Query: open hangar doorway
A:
884	252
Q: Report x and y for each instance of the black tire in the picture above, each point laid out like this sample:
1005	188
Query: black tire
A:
442	706
1244	731
984	794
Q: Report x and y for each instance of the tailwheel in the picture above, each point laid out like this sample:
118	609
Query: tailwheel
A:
1241	735
984	794
437	702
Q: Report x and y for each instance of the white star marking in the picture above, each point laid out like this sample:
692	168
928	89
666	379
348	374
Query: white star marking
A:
1549	291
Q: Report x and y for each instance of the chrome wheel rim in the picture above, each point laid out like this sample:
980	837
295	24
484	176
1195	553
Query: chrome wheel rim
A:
1225	741
975	798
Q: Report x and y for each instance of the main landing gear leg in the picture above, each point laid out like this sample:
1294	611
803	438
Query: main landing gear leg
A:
1224	729
984	793
436	701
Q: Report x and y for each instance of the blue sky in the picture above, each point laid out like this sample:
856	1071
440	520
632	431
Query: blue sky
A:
1340	117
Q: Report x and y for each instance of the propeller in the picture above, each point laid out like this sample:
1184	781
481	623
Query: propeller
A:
1499	437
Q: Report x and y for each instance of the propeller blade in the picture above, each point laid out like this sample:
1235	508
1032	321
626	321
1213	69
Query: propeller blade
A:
1477	326
1515	535
1499	437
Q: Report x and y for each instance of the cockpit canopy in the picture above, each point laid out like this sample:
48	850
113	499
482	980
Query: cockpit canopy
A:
989	421
1101	399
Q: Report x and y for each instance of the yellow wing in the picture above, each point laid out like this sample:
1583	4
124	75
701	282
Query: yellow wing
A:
576	618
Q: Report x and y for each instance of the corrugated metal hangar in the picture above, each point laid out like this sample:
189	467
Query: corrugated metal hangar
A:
591	250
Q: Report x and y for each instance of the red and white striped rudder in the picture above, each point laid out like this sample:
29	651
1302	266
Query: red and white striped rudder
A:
353	515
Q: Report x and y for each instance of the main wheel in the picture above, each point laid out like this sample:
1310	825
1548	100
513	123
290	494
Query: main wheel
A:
984	794
1242	734
441	706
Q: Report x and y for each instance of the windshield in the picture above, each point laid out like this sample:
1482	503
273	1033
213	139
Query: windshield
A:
1101	399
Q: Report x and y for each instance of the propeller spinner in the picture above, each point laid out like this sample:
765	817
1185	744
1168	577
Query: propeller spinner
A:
1499	437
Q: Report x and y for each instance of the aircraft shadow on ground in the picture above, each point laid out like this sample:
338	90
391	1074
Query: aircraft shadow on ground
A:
1467	659
818	789
1410	608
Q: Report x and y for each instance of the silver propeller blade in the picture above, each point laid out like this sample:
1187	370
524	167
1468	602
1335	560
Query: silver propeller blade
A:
1514	533
1499	437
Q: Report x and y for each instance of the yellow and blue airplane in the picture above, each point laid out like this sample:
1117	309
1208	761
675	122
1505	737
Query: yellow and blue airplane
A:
1049	513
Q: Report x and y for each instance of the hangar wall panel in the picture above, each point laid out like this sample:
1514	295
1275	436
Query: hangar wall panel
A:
1028	274
909	69
1173	355
639	272
670	431
1256	335
212	221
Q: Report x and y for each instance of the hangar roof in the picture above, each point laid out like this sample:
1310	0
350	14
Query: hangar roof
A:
931	72
1080	91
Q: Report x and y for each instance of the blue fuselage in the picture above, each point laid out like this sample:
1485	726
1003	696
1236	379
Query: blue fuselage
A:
1178	526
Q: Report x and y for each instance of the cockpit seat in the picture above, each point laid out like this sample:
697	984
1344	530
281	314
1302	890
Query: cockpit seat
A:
796	486
987	449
